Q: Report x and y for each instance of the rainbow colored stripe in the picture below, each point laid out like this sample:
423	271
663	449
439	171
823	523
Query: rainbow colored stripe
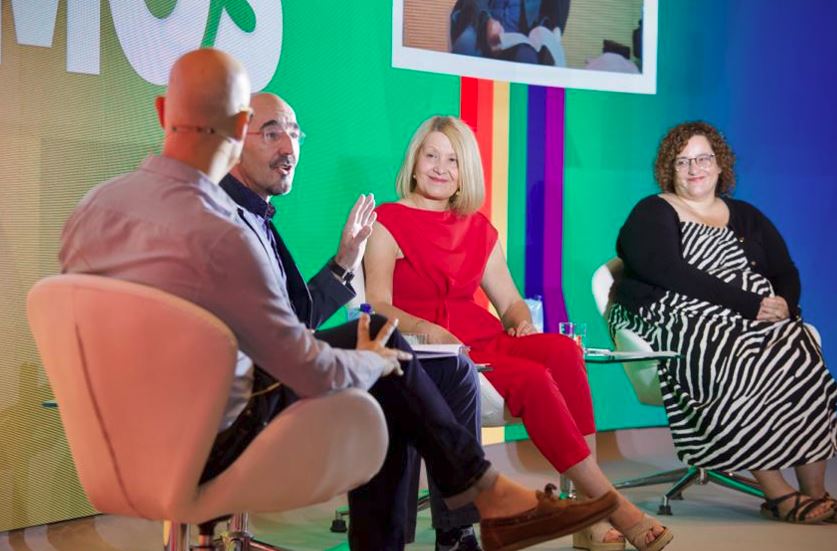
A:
520	132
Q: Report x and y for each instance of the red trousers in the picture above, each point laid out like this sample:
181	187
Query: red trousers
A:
543	380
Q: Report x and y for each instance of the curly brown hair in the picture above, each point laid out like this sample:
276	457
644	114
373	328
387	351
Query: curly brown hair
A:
674	142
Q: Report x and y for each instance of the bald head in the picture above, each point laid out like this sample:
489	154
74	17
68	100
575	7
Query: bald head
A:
204	112
271	150
266	105
207	87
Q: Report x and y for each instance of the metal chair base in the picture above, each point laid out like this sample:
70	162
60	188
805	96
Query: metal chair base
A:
237	537
683	478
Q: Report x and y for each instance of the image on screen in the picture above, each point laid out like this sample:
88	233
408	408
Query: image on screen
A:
589	44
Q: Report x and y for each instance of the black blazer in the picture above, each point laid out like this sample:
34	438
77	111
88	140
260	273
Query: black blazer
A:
316	301
313	302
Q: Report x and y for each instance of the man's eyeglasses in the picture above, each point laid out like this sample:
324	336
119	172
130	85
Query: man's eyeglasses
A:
272	133
703	162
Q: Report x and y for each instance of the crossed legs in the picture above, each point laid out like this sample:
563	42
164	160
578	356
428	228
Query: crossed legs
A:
544	381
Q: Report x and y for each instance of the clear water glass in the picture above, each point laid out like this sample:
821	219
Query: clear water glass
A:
575	330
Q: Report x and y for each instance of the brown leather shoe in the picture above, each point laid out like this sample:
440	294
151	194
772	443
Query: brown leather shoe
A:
550	519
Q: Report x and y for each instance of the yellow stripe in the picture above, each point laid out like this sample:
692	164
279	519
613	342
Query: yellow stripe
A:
499	199
493	435
500	163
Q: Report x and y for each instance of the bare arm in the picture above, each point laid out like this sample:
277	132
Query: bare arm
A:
379	266
503	294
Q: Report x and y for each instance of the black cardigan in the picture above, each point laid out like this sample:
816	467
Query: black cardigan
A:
649	245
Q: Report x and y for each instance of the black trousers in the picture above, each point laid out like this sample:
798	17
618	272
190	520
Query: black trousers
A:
416	415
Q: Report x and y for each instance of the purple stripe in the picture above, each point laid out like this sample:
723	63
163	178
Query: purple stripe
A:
555	310
534	190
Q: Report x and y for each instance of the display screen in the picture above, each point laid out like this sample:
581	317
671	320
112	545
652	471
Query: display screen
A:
588	44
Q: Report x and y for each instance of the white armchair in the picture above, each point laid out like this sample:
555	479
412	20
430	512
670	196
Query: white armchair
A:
493	414
493	407
645	381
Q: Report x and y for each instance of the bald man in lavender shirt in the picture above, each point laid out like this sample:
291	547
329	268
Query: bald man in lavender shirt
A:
169	225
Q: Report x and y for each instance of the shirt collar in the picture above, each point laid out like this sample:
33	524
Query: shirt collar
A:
175	170
178	171
247	198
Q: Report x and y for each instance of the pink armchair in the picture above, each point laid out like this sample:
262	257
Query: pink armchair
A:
141	379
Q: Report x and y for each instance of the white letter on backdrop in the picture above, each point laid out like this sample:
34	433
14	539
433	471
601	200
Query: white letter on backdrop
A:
259	51
152	45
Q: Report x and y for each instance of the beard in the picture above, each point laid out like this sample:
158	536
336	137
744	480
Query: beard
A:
283	186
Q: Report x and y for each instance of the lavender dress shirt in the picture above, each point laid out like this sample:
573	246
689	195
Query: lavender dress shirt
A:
169	226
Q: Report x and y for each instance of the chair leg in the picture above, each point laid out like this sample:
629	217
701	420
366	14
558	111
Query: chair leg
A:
175	536
683	478
239	538
736	482
257	545
338	524
423	501
656	478
567	488
693	475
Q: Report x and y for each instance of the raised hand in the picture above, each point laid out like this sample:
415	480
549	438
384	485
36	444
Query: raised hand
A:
357	230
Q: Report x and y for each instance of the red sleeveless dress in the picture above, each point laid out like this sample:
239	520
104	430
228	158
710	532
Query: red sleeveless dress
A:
541	377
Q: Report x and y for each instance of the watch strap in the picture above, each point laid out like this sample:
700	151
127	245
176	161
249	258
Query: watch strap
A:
342	273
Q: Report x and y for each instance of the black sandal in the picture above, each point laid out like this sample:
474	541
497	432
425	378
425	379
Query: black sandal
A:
833	519
799	513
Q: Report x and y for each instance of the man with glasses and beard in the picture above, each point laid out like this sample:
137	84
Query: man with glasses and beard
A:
266	169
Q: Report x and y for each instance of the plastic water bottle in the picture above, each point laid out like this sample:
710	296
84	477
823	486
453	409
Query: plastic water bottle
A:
354	312
535	305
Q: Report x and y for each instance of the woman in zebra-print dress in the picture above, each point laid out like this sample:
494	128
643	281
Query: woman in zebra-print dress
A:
711	278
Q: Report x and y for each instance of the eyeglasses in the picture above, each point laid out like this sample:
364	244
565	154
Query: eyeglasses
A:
272	133
703	162
209	129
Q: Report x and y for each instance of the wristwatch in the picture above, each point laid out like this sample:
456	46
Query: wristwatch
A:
342	273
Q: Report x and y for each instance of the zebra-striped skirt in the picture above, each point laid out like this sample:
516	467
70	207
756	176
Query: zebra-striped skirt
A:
744	394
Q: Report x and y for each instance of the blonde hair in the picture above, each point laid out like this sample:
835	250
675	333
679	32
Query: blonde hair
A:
471	194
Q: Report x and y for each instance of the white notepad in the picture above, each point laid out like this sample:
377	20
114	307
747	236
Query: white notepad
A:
438	350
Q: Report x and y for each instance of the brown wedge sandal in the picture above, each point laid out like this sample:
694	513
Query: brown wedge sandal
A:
636	535
800	513
592	538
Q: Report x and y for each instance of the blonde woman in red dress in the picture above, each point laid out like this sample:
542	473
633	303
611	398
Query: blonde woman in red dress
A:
428	255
